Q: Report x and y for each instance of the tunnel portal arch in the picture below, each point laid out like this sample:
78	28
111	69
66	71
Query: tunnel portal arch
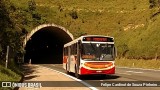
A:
44	26
44	44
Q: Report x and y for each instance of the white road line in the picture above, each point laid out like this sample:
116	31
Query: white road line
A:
84	83
139	68
133	72
124	73
138	72
129	71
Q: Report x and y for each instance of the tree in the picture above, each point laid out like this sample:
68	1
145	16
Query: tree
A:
10	27
5	24
74	14
152	3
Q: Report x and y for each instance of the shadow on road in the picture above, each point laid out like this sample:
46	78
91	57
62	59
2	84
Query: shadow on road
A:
28	71
100	77
97	77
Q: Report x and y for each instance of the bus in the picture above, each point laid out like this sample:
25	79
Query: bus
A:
90	55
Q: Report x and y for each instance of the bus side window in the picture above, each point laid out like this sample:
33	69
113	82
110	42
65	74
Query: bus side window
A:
65	51
75	49
70	47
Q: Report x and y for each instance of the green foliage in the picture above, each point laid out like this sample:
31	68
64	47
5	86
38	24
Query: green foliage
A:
152	3
15	23
74	14
134	63
32	5
5	20
123	49
79	33
134	24
8	75
129	22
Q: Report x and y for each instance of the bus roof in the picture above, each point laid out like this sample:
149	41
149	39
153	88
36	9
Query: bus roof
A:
80	38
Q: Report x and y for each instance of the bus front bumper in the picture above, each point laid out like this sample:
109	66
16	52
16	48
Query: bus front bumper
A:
85	71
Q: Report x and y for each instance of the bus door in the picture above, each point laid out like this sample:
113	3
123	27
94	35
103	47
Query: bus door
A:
78	55
69	58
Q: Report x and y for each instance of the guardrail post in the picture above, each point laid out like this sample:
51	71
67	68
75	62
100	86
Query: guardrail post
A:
7	56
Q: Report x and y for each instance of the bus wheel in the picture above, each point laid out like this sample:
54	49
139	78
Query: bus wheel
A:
76	74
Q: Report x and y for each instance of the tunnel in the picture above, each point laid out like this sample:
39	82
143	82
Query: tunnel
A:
45	45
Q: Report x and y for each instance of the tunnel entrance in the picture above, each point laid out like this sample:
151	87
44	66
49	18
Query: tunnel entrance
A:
45	46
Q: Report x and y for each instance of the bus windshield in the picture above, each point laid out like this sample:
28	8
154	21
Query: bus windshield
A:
97	51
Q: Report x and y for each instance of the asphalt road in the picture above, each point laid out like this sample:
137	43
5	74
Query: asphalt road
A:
123	75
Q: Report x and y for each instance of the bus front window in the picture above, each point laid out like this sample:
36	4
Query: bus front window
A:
97	51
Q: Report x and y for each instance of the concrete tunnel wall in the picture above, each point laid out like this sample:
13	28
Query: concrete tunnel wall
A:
44	44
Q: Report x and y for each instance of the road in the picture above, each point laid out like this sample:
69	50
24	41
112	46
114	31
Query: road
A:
122	74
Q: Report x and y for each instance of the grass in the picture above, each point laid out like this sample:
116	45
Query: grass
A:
134	63
11	73
8	75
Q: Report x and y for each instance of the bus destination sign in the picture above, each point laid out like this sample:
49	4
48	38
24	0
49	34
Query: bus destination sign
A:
98	39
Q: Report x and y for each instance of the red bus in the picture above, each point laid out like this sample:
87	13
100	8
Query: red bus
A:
90	55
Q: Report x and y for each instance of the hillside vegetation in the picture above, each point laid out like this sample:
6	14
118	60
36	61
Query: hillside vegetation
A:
134	24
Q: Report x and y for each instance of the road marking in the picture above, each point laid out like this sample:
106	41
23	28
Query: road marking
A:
124	73
129	71
133	72
139	68
138	72
81	81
